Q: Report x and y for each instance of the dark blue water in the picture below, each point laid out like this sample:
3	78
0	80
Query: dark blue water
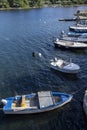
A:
21	33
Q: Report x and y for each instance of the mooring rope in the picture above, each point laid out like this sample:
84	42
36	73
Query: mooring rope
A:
77	100
78	91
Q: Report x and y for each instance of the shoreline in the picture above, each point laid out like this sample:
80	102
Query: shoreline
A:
44	6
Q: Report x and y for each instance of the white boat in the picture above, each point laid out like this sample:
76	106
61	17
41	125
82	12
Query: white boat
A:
64	66
69	44
39	102
79	29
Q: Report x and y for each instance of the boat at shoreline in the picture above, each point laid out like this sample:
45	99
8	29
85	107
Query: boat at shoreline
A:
42	101
64	66
63	44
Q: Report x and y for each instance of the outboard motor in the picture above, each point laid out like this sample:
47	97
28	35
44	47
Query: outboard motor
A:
4	102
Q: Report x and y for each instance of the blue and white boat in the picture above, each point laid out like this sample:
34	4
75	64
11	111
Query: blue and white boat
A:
75	34
64	66
39	102
74	39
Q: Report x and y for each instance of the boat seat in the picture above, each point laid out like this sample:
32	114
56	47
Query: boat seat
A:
23	103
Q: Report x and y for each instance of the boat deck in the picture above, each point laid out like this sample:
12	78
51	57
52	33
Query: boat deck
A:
39	101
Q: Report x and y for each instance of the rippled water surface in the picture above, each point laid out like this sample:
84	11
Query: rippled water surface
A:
23	32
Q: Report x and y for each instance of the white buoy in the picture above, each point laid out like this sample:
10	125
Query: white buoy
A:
39	54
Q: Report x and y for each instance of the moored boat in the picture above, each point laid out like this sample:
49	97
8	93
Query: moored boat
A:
39	102
64	66
69	44
75	34
74	39
79	29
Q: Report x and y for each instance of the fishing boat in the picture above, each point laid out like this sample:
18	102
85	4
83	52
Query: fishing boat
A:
79	28
66	44
42	101
64	66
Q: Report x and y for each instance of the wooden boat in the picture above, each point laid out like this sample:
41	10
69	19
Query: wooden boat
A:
64	66
35	102
79	29
69	44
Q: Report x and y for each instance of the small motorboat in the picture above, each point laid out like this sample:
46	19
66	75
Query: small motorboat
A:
79	29
66	44
42	101
64	66
74	39
75	34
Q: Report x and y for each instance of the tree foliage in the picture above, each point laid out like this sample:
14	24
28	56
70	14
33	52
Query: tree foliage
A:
37	3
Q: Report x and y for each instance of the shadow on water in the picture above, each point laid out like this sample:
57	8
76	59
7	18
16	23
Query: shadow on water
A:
77	52
66	76
67	117
31	121
55	119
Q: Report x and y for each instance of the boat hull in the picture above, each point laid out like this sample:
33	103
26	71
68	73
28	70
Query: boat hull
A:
74	39
65	71
69	47
78	30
